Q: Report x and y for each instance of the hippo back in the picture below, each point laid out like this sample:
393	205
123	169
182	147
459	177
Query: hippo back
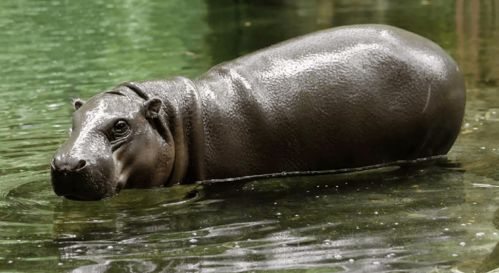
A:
340	98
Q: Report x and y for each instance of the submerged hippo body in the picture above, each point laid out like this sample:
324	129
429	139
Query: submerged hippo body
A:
340	98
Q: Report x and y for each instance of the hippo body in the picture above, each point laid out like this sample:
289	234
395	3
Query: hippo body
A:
345	97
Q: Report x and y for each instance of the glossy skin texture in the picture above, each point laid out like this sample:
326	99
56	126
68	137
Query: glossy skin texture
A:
98	159
340	98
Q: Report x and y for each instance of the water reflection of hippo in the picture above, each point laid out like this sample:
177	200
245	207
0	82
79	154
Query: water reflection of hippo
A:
339	98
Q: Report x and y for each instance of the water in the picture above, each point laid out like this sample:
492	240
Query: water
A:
442	218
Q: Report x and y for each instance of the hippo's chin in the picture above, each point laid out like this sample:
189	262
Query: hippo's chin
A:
84	198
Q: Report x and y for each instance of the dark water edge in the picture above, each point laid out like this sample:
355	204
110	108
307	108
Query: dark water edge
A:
438	218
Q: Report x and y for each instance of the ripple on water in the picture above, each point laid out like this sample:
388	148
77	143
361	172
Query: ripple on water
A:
143	230
434	219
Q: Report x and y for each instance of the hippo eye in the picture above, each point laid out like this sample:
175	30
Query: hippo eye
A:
120	129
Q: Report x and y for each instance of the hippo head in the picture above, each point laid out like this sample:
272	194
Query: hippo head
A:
118	139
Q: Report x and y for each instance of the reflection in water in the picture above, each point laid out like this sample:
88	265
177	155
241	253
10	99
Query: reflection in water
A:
492	261
347	222
440	218
476	28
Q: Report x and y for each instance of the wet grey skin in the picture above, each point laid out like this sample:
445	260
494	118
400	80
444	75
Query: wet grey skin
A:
345	97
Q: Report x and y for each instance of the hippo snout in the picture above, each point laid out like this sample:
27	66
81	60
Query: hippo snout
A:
68	165
79	179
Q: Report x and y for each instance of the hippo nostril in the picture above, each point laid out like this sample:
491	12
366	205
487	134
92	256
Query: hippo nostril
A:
81	164
57	164
65	164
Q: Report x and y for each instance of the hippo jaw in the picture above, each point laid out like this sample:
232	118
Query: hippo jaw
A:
112	145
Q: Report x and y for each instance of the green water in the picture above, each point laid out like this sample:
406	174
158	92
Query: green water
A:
442	218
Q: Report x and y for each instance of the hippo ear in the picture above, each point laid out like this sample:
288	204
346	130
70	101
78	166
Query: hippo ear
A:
152	107
77	103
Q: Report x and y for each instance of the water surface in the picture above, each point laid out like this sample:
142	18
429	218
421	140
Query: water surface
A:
441	218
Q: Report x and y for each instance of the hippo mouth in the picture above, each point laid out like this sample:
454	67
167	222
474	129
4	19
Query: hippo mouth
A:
79	198
83	185
86	196
75	197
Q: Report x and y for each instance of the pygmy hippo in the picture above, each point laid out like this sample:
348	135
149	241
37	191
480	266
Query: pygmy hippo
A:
345	97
